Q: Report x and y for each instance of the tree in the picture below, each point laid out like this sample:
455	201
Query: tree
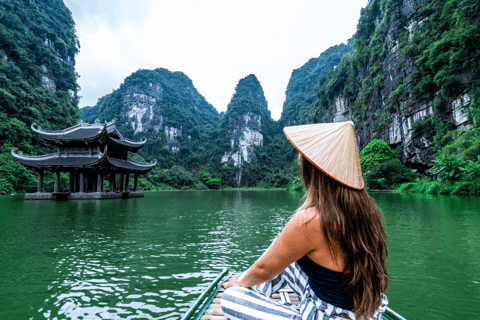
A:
377	151
381	168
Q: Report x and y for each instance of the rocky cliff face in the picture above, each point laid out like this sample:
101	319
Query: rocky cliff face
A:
159	105
387	102
245	124
139	104
398	129
245	134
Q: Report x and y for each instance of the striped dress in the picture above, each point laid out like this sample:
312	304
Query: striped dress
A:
255	303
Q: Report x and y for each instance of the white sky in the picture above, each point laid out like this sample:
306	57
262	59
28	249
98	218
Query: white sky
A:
214	42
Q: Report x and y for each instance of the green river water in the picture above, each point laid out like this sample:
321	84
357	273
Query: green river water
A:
149	258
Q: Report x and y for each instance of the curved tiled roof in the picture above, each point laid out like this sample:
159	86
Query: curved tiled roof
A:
131	165
88	132
128	143
53	161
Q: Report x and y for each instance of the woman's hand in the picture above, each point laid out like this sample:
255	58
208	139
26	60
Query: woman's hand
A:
230	283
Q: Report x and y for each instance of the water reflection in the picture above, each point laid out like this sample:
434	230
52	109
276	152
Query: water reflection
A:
150	258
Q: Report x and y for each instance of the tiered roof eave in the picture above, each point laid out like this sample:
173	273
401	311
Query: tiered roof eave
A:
100	162
89	133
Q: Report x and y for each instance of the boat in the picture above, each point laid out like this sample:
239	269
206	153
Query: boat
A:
207	306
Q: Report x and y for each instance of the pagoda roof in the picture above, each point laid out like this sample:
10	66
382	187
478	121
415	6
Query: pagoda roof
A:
88	133
100	162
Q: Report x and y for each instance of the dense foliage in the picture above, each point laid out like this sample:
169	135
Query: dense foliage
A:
358	74
381	168
272	167
446	50
37	80
301	93
456	168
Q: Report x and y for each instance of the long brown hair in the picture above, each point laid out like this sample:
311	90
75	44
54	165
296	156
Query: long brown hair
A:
351	220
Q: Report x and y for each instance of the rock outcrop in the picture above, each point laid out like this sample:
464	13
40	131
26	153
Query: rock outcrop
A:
245	124
245	135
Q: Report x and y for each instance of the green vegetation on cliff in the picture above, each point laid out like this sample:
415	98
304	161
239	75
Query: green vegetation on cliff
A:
174	101
444	50
247	113
439	53
248	99
37	81
358	73
456	168
301	93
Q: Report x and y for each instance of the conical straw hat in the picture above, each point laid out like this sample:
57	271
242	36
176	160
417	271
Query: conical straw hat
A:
332	148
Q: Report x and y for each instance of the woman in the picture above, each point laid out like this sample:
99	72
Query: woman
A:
332	251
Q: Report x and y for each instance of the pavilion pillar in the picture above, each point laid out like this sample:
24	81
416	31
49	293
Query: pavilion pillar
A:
112	181
57	180
135	183
99	182
94	181
40	181
82	182
71	186
77	184
121	181
127	180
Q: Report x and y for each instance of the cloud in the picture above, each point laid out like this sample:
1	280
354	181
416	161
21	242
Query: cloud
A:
214	42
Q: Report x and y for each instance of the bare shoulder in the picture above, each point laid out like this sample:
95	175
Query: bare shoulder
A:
308	218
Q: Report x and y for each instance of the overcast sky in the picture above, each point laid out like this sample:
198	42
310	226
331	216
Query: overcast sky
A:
214	42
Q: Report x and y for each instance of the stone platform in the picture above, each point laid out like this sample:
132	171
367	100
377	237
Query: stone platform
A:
85	195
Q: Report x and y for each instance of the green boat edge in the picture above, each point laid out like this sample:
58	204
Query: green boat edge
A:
198	308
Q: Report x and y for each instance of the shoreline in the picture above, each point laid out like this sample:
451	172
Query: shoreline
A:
162	190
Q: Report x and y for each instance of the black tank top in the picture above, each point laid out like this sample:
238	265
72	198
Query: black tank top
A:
326	283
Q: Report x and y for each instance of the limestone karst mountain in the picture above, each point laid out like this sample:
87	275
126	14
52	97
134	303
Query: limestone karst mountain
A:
165	108
412	79
247	124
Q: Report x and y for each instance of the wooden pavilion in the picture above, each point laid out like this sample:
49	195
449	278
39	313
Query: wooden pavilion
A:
90	153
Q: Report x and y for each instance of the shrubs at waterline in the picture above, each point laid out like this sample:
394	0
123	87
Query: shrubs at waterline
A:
296	184
387	175
381	168
426	185
456	168
177	177
376	151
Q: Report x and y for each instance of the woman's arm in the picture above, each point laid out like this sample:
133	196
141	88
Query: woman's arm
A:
293	243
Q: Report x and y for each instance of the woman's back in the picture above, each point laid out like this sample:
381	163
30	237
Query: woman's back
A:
321	255
323	267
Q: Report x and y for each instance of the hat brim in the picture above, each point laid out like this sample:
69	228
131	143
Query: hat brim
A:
356	182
